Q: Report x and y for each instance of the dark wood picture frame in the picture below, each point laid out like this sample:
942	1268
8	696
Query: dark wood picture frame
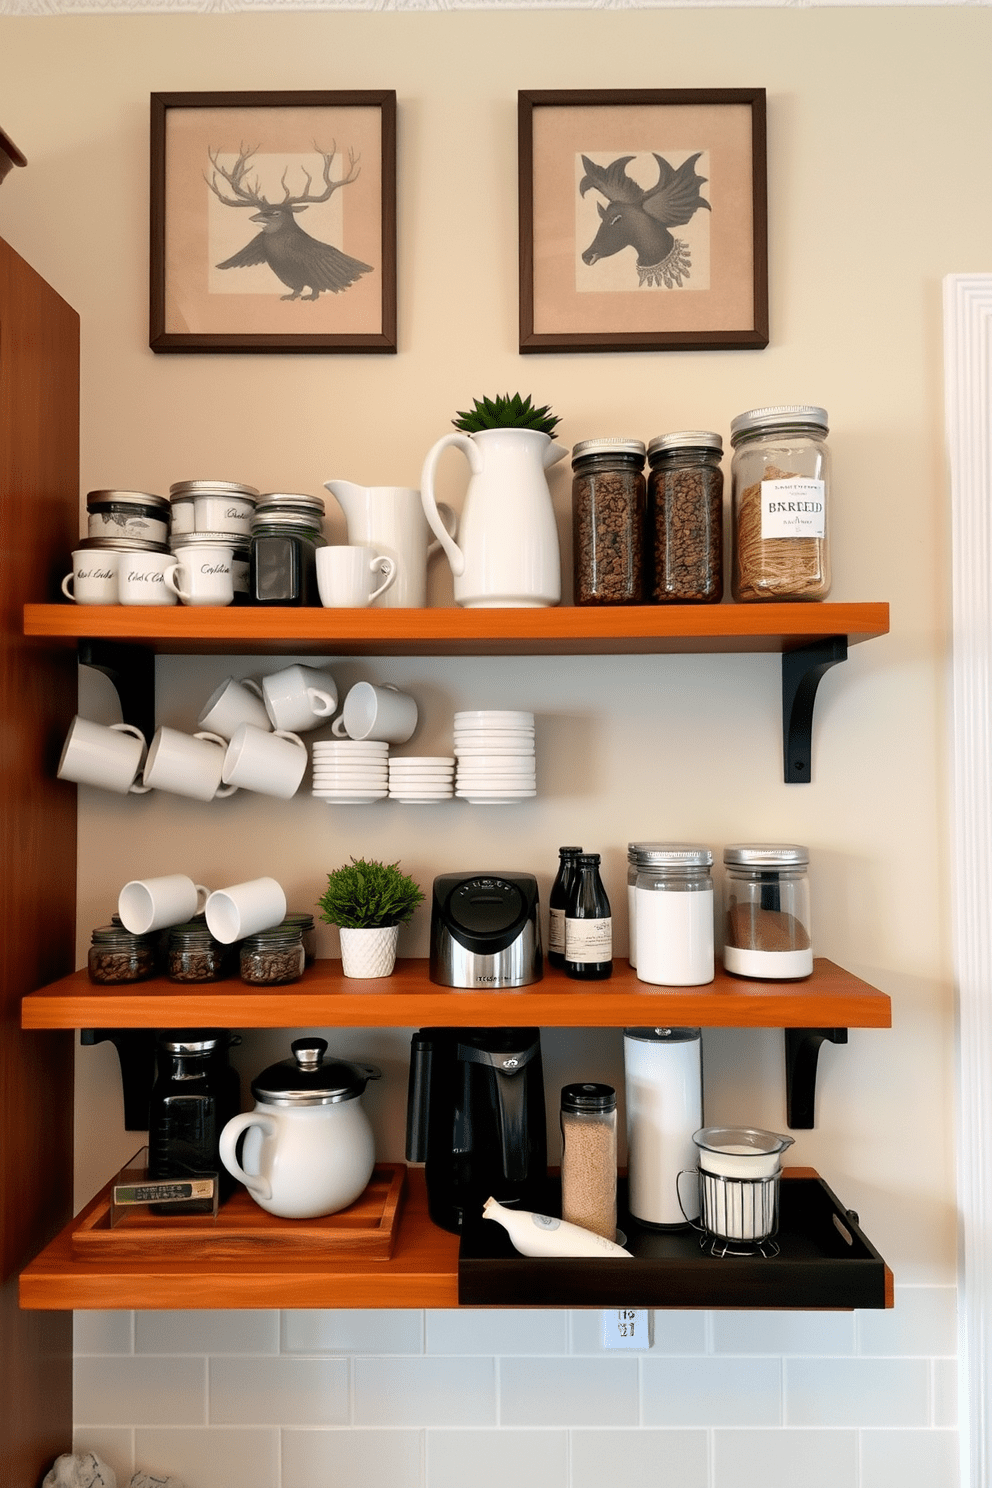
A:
204	165
706	289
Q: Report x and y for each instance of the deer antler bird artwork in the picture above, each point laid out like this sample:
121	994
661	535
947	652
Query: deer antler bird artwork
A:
299	260
639	217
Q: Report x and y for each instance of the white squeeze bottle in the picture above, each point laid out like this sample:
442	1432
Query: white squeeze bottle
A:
542	1235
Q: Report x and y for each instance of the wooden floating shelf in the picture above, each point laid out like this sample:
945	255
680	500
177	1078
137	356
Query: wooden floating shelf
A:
830	998
451	631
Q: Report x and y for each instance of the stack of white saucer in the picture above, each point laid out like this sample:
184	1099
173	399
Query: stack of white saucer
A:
495	752
418	779
350	772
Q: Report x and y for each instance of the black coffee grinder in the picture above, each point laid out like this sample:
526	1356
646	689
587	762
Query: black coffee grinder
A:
475	1117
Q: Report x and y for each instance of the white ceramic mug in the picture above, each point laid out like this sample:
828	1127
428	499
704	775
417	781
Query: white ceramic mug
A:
141	579
345	576
271	763
372	712
202	575
105	755
245	908
94	577
234	702
147	904
187	764
299	698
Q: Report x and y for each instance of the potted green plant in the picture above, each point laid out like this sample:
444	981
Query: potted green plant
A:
368	901
504	412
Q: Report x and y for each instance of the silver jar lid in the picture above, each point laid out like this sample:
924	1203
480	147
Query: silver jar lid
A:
298	523
143	499
779	416
208	539
212	488
619	446
766	854
294	500
124	544
671	855
309	1080
685	439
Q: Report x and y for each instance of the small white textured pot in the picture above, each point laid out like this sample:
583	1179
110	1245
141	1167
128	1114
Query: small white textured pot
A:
368	952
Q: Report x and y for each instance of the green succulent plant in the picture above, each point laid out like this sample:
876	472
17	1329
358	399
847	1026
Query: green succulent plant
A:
506	413
365	893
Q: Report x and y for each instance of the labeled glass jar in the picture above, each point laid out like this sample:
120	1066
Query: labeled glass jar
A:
608	497
128	514
674	928
781	498
286	531
273	957
217	506
195	1094
589	1157
116	955
685	518
193	955
767	928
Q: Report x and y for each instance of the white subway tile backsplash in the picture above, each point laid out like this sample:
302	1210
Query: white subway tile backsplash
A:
820	1333
711	1392
783	1459
944	1385
488	1459
218	1457
102	1332
424	1392
497	1331
857	1392
909	1459
568	1392
206	1332
140	1392
114	1445
278	1392
639	1459
336	1459
674	1332
356	1330
923	1321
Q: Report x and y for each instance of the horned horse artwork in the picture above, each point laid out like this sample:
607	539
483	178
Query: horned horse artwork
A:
299	260
640	217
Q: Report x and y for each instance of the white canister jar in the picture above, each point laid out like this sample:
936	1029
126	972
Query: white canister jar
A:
766	928
674	916
218	506
308	1147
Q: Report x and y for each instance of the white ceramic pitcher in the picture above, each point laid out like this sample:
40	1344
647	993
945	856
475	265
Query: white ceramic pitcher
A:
507	554
391	520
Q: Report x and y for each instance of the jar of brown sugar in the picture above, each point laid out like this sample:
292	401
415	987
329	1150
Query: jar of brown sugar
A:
781	485
685	518
767	922
589	1157
608	496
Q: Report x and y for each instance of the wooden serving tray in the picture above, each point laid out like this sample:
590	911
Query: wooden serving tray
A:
366	1229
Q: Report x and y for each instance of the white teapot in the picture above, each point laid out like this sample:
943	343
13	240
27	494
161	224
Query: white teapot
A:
308	1147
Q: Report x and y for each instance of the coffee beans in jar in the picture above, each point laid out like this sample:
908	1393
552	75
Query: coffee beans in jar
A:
273	957
608	497
685	518
781	480
117	955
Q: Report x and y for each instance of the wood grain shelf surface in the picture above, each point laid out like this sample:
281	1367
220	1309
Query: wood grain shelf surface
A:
830	998
451	631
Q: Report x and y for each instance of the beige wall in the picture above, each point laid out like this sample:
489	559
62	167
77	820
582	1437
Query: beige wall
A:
878	147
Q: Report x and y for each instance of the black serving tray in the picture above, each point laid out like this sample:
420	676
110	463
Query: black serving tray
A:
824	1261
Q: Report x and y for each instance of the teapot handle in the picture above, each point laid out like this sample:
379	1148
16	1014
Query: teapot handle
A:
229	1137
454	553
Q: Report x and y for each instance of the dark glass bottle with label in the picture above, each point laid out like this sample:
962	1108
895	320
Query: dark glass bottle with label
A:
558	904
194	1096
588	924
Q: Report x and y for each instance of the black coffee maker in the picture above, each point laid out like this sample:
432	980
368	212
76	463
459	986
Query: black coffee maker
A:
475	1117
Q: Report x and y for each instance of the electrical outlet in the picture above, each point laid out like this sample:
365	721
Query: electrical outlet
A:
627	1328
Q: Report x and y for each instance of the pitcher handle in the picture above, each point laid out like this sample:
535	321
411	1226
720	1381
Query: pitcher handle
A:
229	1150
453	552
450	520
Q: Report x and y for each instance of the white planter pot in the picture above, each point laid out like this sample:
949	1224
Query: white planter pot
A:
369	953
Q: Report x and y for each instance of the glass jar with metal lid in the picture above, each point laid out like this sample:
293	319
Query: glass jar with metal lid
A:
193	955
674	915
117	955
588	1120
638	854
767	922
273	957
128	514
685	518
286	531
217	506
608	522
781	498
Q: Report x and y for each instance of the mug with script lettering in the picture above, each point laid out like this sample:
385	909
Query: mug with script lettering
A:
202	575
94	577
141	579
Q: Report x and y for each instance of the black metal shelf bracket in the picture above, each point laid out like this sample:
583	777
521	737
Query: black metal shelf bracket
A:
136	1052
802	1050
132	671
802	670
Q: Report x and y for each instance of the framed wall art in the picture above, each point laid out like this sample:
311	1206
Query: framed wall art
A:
273	222
643	220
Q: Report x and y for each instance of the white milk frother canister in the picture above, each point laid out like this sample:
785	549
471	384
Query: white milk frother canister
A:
663	1071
